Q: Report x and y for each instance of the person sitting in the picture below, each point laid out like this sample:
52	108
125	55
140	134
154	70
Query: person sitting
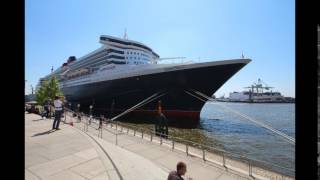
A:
181	170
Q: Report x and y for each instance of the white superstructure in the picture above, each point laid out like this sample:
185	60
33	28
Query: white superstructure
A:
114	51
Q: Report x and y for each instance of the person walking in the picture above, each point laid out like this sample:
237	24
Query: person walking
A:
177	175
101	119
57	114
46	110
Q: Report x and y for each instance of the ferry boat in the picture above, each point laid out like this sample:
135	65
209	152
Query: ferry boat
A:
258	92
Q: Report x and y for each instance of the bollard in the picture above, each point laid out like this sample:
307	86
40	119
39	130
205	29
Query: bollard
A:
151	137
142	134
160	139
172	144
127	130
134	132
187	149
203	154
121	128
223	160
116	126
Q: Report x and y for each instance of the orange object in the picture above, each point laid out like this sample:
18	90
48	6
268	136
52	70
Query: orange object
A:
159	107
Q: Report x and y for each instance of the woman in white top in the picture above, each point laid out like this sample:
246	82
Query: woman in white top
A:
57	115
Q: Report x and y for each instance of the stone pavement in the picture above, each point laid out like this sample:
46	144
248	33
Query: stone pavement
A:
71	153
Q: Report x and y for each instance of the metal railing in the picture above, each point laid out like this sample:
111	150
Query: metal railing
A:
249	166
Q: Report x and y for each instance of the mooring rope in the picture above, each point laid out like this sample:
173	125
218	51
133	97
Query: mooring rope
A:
142	103
286	137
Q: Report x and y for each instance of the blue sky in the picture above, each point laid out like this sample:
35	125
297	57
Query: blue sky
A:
213	30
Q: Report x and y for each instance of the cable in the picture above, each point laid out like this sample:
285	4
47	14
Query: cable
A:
142	103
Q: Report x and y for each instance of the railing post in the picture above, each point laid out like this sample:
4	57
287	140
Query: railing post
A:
250	168
116	138
88	126
187	149
203	154
172	144
65	116
84	126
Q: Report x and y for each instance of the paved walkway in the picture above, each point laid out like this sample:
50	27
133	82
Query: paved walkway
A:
70	153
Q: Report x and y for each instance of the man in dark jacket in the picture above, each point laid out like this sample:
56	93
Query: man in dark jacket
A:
161	123
181	170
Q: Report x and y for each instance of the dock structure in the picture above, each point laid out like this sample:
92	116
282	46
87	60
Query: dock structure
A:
85	151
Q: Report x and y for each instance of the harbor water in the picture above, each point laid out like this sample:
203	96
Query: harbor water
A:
222	129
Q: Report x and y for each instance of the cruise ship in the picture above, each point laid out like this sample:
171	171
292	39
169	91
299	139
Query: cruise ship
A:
123	73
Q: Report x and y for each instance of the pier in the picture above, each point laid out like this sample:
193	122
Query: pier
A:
82	150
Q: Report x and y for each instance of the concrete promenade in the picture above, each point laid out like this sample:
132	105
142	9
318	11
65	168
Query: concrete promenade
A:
71	153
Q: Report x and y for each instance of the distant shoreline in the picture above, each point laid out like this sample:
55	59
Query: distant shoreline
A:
255	102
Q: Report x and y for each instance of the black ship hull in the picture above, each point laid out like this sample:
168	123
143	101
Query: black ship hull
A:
115	96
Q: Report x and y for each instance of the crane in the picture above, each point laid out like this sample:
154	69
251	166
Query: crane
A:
258	86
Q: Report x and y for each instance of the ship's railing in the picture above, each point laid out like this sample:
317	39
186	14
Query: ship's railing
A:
215	156
175	61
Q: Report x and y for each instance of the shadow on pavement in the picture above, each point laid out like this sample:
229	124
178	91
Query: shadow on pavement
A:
38	119
44	133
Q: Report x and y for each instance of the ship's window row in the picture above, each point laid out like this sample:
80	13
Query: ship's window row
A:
116	51
95	54
137	53
88	59
115	56
97	59
138	58
126	43
91	61
138	62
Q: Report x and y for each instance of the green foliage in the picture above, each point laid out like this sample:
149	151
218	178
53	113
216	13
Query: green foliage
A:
48	91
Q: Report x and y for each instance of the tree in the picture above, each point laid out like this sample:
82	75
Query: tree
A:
48	91
41	94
